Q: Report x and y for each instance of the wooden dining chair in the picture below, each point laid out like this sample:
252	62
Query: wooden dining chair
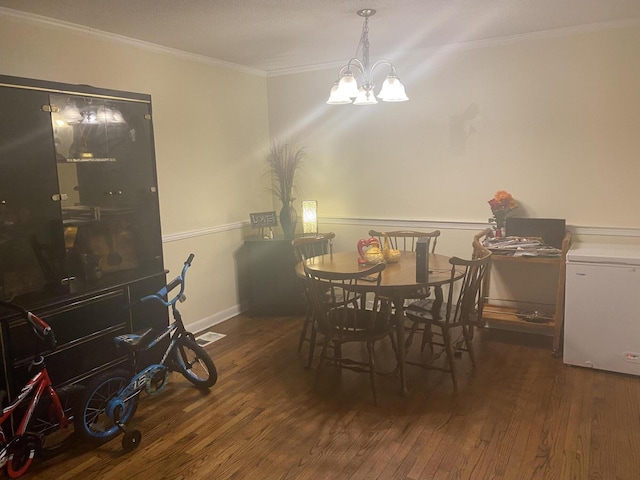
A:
405	240
304	248
479	250
353	311
461	310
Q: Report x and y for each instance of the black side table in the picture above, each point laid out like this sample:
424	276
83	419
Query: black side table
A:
274	287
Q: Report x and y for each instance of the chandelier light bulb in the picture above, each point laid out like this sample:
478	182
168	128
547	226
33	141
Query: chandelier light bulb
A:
348	85
336	97
392	90
365	97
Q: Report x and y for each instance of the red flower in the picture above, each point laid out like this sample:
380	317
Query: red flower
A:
502	200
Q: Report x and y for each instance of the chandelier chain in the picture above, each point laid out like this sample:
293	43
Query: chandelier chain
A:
364	41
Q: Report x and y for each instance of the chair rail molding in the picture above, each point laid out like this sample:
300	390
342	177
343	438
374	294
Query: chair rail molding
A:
582	230
470	225
175	237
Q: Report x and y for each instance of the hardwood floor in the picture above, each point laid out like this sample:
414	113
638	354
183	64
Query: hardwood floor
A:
521	415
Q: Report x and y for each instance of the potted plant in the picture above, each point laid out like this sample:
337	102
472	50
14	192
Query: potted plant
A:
284	160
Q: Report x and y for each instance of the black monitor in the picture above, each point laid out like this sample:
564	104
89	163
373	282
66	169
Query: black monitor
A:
551	230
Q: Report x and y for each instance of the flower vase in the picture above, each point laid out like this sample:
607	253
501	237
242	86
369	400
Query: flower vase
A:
498	220
498	227
288	220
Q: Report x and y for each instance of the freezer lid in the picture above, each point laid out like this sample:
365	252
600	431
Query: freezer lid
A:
604	253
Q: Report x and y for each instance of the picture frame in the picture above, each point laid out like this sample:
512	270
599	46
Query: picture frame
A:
263	219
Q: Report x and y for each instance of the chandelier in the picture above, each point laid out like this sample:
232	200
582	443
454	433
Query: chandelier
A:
355	79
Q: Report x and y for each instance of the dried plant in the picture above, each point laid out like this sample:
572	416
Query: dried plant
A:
284	160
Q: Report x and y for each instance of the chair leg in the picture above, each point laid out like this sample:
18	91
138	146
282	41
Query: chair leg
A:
312	344
409	340
427	337
450	358
337	351
394	343
323	357
468	341
305	325
372	372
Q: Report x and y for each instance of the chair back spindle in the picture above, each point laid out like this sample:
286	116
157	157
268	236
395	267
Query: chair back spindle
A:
307	247
405	240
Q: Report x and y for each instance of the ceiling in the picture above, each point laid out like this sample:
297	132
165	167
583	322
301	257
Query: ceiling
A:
279	35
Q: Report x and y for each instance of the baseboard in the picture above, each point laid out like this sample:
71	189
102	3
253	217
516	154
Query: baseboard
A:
219	317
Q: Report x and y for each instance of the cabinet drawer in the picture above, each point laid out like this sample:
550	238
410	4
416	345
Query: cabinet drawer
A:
77	361
72	324
84	332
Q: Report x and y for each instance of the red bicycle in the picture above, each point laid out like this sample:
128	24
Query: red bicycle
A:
46	423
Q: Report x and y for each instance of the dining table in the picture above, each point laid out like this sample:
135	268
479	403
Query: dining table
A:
398	283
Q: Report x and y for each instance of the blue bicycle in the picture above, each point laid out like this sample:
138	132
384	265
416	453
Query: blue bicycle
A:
111	399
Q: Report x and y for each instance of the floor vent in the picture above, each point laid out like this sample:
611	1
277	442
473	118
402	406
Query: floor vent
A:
208	337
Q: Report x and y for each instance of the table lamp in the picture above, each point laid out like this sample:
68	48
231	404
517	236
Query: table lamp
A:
309	217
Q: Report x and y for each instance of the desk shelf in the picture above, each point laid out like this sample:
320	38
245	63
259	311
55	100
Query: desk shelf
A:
506	316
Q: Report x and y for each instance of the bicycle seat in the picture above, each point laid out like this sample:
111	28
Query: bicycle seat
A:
132	341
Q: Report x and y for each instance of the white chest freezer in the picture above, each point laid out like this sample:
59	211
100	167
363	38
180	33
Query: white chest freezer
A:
602	307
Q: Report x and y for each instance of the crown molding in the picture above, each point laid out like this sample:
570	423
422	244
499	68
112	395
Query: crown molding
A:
475	44
121	39
544	34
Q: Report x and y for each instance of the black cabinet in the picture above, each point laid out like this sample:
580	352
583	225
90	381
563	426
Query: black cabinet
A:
79	221
274	288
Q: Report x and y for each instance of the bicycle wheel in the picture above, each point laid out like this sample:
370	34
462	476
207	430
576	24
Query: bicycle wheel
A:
21	456
46	423
91	422
194	363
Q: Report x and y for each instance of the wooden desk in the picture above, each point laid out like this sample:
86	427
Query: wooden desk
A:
398	282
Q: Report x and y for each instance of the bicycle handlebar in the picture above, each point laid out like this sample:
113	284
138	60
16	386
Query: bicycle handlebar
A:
41	328
164	291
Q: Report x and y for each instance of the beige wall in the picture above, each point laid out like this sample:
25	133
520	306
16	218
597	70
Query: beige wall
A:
553	119
211	132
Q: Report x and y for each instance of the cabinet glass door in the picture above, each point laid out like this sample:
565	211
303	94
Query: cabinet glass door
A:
136	179
104	153
31	243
